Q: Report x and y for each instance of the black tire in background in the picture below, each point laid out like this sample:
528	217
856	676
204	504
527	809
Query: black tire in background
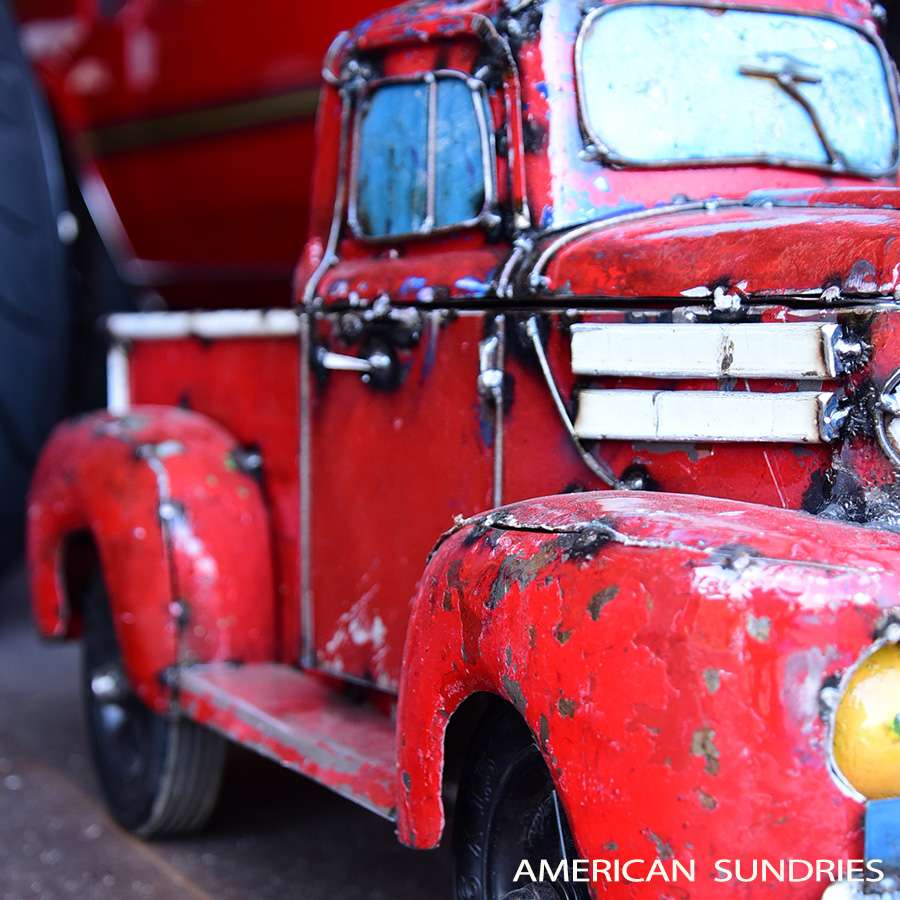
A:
35	284
160	776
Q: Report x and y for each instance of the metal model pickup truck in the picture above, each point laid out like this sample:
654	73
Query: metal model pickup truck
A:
571	476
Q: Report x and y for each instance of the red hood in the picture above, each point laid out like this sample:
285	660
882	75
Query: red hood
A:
778	243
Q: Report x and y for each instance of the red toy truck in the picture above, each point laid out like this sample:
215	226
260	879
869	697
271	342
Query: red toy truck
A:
637	260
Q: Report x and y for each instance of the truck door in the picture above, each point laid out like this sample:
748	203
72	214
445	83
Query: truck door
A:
399	441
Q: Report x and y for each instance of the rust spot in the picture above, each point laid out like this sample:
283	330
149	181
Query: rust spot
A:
712	679
581	544
600	599
612	846
514	692
727	357
563	636
702	745
509	656
567	707
532	636
516	570
448	600
454	581
475	533
663	850
545	732
407	781
707	801
733	557
760	628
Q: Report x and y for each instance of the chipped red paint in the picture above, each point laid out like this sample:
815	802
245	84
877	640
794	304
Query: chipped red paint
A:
254	411
667	651
305	723
161	496
777	251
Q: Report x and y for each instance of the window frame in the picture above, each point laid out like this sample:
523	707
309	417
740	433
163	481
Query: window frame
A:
610	157
481	105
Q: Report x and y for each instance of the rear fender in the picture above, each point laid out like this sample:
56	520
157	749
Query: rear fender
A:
182	534
667	653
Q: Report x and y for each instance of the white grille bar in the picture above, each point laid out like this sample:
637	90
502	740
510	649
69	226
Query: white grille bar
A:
701	416
792	350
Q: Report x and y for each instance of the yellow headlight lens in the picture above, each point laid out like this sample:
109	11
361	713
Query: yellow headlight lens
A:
867	726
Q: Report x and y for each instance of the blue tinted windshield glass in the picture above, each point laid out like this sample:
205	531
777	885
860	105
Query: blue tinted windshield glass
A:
679	83
393	160
459	164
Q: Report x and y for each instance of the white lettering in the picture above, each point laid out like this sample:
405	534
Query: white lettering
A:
739	876
524	869
657	869
800	862
546	873
777	874
875	870
723	870
625	874
688	873
601	867
821	866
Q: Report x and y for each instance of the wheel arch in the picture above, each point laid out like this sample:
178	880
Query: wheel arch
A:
652	644
165	504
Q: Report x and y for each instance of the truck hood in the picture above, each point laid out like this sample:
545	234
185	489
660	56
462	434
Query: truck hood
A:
770	243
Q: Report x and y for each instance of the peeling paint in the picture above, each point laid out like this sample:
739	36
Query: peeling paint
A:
514	692
759	628
711	678
663	849
702	745
360	627
600	599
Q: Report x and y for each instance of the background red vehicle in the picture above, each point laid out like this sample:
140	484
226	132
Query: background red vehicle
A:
545	259
162	159
189	129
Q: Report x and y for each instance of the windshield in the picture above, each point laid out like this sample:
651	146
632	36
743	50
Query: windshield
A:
677	84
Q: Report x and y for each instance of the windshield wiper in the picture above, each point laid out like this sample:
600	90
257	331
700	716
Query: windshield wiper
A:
787	78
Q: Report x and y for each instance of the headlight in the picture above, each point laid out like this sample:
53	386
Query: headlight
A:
867	725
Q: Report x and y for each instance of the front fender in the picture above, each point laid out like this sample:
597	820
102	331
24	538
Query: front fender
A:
182	534
667	653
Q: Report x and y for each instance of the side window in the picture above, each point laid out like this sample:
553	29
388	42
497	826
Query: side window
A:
423	158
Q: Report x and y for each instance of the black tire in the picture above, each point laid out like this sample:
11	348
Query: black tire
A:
36	283
507	811
159	776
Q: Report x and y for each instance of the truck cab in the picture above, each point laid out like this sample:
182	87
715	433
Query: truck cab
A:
578	442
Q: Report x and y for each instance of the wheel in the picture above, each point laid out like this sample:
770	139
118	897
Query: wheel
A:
35	284
159	776
507	812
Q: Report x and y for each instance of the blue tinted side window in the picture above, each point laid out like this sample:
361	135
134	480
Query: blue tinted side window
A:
393	160
459	164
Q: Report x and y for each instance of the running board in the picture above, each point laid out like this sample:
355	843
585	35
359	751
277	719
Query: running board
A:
300	721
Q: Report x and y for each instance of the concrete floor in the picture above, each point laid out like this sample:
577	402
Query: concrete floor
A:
274	834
